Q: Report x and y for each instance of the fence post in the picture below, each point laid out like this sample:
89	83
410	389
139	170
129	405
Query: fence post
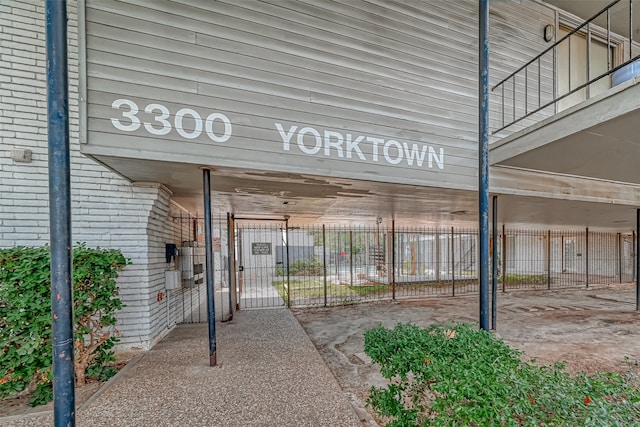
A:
351	256
494	264
548	259
504	259
286	234
324	263
587	255
453	262
619	258
634	267
637	263
438	257
393	259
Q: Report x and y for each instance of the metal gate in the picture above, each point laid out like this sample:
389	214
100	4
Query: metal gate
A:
261	252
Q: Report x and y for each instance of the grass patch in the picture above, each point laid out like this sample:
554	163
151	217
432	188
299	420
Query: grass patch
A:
313	288
455	375
528	279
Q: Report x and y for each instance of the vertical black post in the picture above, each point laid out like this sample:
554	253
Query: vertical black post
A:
60	213
208	240
494	264
230	254
586	248
635	255
548	259
504	259
453	262
393	259
619	258
324	263
286	236
351	257
438	257
637	241
483	155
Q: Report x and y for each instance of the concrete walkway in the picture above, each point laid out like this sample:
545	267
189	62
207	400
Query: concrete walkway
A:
270	374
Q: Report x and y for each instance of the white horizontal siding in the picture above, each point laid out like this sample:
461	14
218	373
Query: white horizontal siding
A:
398	70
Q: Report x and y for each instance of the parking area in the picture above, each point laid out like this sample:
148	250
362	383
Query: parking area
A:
591	329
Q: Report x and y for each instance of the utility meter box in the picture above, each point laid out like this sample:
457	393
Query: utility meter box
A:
172	279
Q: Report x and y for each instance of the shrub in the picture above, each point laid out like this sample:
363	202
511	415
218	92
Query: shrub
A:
301	267
454	375
25	326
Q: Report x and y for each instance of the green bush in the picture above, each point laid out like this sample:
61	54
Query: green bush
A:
455	375
301	267
25	325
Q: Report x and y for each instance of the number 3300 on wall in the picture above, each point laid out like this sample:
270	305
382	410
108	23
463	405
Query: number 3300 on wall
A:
161	124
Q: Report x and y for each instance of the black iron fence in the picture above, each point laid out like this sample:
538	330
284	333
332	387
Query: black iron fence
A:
344	265
336	265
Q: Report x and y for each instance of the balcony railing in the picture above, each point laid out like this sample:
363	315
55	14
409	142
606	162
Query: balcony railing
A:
526	83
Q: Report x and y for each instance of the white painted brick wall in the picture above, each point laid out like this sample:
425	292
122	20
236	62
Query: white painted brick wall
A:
107	211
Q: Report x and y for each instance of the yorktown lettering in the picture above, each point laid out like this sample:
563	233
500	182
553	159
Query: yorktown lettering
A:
308	140
311	141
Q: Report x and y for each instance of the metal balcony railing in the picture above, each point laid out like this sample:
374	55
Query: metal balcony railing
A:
524	102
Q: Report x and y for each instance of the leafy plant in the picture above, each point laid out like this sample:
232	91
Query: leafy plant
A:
25	326
301	267
453	375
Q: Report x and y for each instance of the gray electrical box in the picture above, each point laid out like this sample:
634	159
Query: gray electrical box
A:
172	279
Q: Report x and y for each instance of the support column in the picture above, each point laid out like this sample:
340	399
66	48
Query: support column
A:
286	236
64	413
324	262
483	156
231	256
208	240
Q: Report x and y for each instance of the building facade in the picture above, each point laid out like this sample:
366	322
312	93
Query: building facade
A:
338	112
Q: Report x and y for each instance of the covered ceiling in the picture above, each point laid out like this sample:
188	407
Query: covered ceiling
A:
313	199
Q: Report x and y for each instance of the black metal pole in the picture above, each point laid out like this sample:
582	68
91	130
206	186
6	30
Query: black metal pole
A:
548	259
286	234
324	262
453	262
483	156
494	265
504	258
637	259
586	259
393	259
60	213
230	247
208	239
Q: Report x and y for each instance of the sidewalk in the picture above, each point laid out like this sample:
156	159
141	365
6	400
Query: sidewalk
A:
269	374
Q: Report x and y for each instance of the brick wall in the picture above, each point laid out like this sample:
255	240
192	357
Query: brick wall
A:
107	210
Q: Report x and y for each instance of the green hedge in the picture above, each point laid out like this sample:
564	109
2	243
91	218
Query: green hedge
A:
455	375
25	322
